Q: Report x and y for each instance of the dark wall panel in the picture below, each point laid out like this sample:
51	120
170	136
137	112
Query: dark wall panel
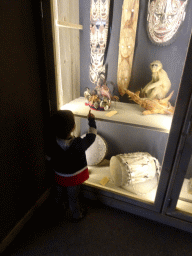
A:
22	101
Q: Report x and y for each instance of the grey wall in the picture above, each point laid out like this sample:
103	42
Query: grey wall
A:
124	138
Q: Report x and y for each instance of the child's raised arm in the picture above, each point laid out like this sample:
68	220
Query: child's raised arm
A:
92	132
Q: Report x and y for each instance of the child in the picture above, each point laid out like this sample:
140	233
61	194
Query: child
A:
68	159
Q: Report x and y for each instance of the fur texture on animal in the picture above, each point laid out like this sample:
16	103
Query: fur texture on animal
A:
160	84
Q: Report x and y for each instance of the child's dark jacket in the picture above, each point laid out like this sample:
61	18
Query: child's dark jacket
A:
69	160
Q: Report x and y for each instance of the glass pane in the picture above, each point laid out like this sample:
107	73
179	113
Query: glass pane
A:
185	198
135	141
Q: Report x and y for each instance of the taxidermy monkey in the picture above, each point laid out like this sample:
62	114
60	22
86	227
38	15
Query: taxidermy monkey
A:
160	84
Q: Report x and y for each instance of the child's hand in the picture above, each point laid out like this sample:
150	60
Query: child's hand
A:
90	115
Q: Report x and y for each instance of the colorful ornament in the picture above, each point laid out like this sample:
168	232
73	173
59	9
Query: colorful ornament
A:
100	98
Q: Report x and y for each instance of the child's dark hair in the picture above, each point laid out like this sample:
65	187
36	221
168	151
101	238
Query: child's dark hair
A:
63	123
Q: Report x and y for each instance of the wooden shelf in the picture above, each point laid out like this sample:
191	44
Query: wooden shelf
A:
66	24
97	173
126	114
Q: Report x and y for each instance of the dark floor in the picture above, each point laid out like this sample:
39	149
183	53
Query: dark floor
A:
104	231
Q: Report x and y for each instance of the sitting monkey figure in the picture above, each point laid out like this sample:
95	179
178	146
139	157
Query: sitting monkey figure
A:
160	84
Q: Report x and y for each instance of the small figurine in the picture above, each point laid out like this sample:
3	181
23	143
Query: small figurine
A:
153	106
100	98
160	84
87	96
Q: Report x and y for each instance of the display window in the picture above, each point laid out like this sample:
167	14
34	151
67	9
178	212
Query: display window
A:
109	59
184	203
178	200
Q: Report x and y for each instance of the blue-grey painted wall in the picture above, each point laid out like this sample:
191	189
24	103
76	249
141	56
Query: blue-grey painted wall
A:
122	138
172	57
